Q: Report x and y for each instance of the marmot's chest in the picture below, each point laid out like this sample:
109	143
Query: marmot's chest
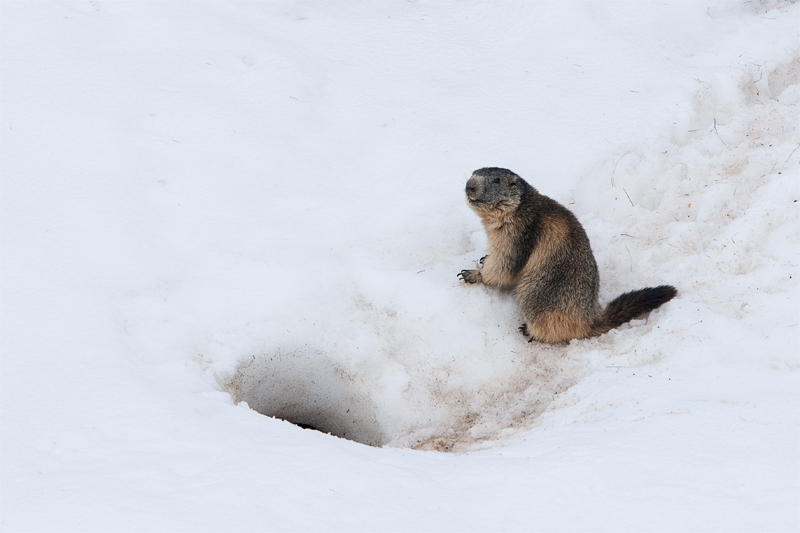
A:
501	222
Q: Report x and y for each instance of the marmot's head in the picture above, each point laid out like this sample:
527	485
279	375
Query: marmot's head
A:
494	188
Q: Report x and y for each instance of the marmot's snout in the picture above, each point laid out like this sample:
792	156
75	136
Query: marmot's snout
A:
474	188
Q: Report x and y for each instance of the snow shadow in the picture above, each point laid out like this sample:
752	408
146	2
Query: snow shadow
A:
308	390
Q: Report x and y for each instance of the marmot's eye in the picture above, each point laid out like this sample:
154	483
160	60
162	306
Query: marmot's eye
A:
497	180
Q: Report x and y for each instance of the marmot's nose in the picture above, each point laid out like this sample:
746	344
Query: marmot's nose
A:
472	188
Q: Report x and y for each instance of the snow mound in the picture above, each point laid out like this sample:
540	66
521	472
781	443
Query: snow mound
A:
704	207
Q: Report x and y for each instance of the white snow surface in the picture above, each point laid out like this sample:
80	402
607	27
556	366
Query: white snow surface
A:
213	211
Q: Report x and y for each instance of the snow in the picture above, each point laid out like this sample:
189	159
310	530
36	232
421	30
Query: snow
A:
211	211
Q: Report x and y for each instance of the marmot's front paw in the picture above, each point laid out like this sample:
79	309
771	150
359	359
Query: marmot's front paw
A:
483	259
470	276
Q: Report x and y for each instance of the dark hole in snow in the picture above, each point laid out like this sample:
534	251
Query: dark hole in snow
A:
306	426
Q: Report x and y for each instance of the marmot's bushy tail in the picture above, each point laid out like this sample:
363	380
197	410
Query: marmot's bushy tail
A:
628	306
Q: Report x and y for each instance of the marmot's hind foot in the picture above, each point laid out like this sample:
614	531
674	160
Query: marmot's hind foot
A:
470	276
524	330
530	336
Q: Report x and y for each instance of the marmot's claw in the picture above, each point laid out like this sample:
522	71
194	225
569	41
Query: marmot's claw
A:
483	259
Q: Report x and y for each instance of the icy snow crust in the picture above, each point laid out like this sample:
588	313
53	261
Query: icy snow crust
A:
216	211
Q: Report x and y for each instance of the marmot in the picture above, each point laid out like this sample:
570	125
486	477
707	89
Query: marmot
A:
539	249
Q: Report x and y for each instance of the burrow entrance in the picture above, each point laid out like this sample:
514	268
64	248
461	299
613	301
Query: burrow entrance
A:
310	391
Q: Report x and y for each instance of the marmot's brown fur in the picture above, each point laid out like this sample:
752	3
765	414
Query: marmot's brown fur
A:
539	249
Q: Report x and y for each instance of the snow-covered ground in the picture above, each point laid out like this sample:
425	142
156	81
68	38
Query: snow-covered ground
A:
213	210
